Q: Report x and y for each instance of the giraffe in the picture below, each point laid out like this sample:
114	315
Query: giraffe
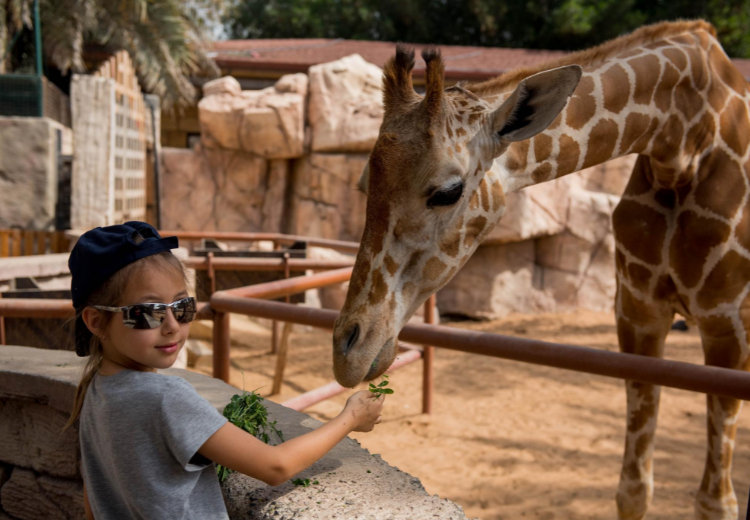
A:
443	162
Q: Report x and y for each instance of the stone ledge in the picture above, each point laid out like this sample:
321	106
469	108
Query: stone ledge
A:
36	266
345	489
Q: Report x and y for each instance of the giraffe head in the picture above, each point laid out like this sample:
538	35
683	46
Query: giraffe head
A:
432	195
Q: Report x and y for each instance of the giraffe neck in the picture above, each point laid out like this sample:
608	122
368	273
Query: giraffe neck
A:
650	100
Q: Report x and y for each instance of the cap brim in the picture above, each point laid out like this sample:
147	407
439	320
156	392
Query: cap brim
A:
83	338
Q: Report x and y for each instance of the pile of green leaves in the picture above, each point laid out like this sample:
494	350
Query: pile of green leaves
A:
248	412
381	388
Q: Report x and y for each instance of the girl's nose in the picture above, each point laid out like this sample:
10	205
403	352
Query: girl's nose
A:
170	324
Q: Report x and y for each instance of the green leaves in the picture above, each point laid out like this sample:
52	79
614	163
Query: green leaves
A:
381	388
248	412
304	482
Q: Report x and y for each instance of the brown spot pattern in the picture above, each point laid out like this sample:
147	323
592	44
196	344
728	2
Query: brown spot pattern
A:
693	239
721	188
646	70
474	117
570	151
663	95
379	288
474	200
698	67
582	105
725	282
390	264
631	222
643	141
473	229
635	126
451	242
541	172
677	57
700	135
726	71
616	88
448	129
498	197
639	276
542	147
518	153
433	268
688	100
601	143
667	143
485	195
735	127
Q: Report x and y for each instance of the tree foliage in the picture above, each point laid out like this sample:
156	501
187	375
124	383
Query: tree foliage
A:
532	24
165	38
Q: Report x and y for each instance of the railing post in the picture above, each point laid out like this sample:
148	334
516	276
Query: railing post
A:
221	346
211	272
275	325
427	358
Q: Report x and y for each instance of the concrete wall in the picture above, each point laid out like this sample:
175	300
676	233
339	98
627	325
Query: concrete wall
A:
40	469
28	171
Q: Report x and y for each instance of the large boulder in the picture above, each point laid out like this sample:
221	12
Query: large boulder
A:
346	109
326	202
211	189
225	85
269	123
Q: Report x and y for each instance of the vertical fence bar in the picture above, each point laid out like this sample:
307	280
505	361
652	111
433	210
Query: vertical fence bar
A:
16	242
275	325
221	346
4	244
427	359
28	243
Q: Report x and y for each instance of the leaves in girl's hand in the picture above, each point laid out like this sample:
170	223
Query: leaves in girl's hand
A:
248	412
381	388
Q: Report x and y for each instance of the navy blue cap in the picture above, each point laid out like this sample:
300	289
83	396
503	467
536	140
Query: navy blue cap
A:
100	253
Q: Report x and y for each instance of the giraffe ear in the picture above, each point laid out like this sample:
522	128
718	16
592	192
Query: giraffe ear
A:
364	179
535	103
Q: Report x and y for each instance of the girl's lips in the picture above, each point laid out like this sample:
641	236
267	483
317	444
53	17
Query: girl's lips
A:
168	349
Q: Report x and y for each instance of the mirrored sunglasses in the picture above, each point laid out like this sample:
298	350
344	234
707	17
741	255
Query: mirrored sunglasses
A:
151	315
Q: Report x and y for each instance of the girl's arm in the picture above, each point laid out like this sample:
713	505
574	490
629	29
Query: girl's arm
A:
236	449
86	505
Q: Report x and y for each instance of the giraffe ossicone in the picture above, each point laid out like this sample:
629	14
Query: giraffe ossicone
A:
443	162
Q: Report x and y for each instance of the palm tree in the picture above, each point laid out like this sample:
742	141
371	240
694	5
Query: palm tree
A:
165	38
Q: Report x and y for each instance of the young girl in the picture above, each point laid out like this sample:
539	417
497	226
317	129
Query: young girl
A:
149	441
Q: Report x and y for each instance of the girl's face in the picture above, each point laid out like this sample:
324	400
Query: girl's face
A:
147	349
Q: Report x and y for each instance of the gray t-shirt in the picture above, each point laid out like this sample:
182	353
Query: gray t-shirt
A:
140	433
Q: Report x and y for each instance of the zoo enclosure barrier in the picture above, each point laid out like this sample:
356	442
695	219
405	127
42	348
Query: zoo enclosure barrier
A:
247	300
18	242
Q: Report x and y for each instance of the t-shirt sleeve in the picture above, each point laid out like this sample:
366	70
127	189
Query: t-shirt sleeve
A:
187	421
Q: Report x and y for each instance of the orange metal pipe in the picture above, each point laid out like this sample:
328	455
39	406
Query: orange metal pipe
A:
262	264
676	374
427	360
280	288
324	392
339	245
221	346
41	308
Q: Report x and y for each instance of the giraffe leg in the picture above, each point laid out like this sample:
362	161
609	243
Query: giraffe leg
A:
641	329
723	347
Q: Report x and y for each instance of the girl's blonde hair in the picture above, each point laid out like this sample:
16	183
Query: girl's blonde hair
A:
109	294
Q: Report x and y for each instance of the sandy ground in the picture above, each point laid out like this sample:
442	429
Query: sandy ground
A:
509	440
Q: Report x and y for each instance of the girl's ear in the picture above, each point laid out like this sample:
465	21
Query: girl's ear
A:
93	319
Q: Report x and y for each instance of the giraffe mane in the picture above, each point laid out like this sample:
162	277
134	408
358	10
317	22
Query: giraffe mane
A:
594	55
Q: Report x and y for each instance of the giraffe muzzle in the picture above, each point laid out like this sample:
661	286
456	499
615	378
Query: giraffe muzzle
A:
349	340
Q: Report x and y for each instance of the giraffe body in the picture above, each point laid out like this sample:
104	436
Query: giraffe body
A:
441	167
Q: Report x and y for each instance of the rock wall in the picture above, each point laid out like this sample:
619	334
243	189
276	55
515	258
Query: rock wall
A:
40	474
28	171
288	158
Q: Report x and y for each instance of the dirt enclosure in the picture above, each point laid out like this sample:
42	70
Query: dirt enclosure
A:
509	440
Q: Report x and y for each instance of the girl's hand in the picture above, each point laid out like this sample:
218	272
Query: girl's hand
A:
364	409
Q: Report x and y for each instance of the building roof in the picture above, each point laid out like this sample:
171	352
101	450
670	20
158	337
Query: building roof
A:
273	57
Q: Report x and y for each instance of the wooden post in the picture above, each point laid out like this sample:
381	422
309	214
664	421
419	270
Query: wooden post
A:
427	359
16	244
4	244
211	272
28	243
281	355
221	346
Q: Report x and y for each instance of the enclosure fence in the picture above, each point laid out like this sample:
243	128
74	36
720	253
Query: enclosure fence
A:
253	301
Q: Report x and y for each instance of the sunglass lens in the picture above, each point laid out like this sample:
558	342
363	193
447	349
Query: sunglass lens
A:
144	317
184	310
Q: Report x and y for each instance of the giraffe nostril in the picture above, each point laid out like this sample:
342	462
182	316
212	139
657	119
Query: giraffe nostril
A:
351	339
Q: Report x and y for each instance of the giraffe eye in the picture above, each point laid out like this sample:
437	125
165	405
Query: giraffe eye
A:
446	197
